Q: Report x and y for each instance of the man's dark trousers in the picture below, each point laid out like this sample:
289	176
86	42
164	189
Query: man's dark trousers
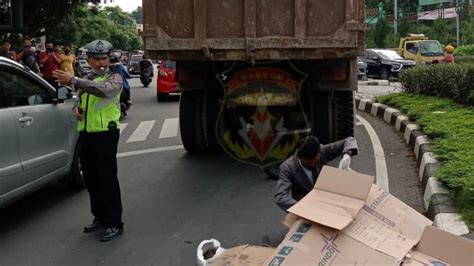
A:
98	157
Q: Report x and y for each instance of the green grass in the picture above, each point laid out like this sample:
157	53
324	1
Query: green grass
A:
450	126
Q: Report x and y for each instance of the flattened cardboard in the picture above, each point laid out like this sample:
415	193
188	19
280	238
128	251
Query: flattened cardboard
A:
382	222
308	243
336	198
243	255
437	246
387	224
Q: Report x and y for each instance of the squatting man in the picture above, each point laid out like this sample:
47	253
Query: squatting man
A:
299	173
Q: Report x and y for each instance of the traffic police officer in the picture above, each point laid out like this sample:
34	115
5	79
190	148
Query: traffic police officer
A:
98	114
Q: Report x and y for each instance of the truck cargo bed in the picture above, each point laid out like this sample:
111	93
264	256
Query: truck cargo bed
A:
253	29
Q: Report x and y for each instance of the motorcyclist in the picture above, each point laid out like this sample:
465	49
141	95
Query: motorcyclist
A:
449	57
117	67
146	71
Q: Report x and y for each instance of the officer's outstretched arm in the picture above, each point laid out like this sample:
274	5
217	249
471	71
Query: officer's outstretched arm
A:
106	89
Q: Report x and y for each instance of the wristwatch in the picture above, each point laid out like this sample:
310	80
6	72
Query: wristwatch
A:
74	80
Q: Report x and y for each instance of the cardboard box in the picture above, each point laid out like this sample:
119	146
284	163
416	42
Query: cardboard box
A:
438	247
309	243
374	223
243	255
336	198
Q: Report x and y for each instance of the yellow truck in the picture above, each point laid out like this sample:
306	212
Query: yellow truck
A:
421	49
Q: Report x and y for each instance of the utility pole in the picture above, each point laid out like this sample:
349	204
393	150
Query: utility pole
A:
458	10
395	16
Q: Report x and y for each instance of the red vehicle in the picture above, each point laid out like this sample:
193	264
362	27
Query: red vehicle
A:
166	82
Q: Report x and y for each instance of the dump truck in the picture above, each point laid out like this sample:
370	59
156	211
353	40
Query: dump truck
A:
257	76
420	49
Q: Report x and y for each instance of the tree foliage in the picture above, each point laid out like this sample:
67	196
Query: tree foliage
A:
380	32
86	24
137	14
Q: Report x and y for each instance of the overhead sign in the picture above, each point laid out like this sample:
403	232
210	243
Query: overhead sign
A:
445	13
432	2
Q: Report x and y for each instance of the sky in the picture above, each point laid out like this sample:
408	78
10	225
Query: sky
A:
126	5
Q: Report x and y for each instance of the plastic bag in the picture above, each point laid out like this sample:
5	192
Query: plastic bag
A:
207	251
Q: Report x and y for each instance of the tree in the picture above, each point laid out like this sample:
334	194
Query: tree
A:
392	40
138	15
467	30
86	24
380	32
38	17
369	38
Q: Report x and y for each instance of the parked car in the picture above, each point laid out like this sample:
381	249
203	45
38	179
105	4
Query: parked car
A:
361	69
385	64
166	80
38	139
134	64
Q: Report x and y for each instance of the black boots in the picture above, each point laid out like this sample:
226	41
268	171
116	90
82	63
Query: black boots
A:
94	226
111	233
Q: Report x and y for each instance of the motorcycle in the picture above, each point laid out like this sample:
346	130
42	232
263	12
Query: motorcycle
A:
125	101
146	72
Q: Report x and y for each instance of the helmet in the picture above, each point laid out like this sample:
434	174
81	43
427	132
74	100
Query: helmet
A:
449	48
114	58
99	48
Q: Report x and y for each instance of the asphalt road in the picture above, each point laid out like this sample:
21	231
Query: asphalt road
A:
172	200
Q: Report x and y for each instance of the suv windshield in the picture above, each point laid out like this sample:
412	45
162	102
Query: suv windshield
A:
431	48
136	58
389	54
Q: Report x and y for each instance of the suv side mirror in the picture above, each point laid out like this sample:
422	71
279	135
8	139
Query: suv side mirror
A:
63	93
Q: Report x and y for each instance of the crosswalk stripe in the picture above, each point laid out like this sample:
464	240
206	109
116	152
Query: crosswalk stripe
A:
170	128
122	127
142	131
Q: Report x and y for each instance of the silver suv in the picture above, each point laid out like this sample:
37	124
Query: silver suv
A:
38	139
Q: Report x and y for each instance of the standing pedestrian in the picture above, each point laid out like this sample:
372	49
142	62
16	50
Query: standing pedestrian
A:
6	50
68	60
50	61
98	115
27	56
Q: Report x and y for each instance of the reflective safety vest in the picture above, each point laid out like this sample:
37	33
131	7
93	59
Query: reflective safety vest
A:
99	114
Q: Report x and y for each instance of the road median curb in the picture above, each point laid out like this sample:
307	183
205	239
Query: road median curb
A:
374	82
437	201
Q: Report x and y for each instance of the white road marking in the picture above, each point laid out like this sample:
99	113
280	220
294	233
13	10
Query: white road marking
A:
122	127
142	131
145	151
359	124
381	175
170	128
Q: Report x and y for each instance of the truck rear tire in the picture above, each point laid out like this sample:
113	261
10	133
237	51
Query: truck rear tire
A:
344	114
211	108
161	97
320	116
191	124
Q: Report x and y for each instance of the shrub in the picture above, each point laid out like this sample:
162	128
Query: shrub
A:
451	128
454	81
464	59
464	50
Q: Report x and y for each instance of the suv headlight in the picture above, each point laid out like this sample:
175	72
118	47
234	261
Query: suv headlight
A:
396	67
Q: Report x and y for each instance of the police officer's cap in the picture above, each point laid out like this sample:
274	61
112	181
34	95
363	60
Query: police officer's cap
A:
99	48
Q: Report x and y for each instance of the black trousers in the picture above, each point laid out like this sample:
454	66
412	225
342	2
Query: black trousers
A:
98	157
